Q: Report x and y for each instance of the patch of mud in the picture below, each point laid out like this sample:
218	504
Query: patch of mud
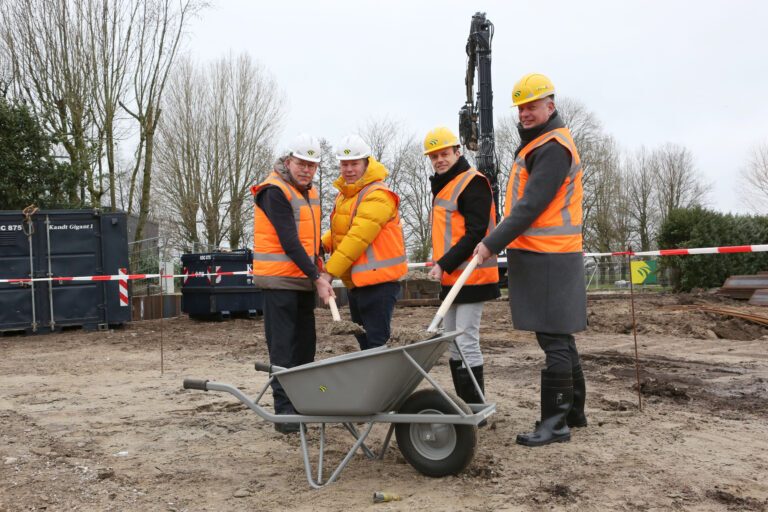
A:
665	389
736	329
555	493
485	467
721	390
664	315
734	502
616	405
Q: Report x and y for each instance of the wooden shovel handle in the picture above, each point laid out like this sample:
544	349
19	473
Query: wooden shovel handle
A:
471	265
334	310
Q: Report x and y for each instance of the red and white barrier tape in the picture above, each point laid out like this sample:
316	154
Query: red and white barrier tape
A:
732	249
729	249
127	277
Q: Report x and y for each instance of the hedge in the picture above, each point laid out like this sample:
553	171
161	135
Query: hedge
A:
700	227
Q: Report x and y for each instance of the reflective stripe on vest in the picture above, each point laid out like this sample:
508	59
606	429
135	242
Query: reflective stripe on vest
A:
269	258
448	228
389	243
547	234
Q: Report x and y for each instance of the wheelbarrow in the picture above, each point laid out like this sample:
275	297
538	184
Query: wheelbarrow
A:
435	431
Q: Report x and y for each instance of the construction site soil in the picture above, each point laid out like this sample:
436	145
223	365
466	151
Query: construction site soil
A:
89	422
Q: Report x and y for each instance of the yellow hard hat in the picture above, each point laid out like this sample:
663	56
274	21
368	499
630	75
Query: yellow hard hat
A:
439	138
532	87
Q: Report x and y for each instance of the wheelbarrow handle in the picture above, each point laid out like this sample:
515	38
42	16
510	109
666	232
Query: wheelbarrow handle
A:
267	367
263	367
448	301
201	384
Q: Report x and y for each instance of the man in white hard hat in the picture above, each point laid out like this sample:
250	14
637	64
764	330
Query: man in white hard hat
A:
366	241
286	262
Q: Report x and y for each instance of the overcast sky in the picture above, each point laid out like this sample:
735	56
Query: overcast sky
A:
691	73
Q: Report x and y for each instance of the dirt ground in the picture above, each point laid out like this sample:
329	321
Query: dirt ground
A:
88	422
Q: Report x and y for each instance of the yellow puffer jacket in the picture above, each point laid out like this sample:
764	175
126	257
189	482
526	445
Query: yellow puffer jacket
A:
347	242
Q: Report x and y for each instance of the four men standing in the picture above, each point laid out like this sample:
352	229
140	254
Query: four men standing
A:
541	232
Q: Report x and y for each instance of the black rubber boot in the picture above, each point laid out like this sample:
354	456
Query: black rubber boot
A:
556	401
462	382
455	365
463	385
576	416
286	428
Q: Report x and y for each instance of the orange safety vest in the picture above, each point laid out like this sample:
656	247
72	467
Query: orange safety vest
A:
558	228
384	259
448	228
269	258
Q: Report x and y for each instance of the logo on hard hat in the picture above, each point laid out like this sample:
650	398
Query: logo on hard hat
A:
517	94
347	151
311	152
433	142
323	389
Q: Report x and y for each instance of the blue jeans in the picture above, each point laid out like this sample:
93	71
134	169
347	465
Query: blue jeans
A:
371	307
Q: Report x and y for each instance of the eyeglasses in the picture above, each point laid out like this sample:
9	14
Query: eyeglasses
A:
304	165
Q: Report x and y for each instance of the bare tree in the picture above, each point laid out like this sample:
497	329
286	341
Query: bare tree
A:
6	70
213	143
679	184
110	28
607	227
507	142
213	187
160	26
326	175
415	193
380	134
180	153
754	178
253	107
640	169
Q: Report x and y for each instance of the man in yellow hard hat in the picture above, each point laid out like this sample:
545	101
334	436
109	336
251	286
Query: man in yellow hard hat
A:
366	241
542	234
462	214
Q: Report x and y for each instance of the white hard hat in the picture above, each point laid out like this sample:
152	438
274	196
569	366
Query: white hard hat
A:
305	147
352	147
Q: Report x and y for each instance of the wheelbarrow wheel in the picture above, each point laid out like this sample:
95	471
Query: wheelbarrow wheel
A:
435	449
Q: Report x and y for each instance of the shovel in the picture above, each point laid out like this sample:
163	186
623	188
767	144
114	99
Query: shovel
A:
448	301
339	326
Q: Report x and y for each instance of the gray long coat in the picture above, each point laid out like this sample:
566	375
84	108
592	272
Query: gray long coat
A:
547	292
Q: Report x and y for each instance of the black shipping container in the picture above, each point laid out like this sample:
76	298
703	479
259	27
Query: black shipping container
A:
62	243
219	297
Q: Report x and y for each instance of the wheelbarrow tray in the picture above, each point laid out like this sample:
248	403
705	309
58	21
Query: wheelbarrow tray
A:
361	383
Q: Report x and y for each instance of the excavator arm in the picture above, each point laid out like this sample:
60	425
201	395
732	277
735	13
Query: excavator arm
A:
476	116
